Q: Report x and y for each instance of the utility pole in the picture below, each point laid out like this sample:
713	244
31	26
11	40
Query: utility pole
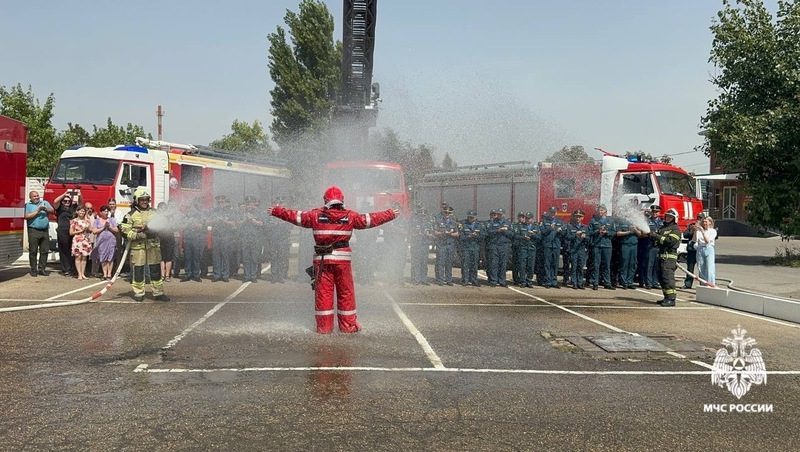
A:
159	115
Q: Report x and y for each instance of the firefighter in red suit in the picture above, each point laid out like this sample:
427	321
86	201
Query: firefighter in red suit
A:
333	225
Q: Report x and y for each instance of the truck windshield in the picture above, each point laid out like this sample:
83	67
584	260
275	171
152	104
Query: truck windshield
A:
362	181
85	170
674	183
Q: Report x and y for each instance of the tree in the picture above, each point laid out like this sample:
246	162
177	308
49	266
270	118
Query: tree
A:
43	145
246	139
75	135
571	154
306	73
112	134
448	163
752	124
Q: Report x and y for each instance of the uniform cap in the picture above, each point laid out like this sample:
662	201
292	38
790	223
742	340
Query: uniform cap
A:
552	209
601	206
701	215
672	212
655	208
332	196
529	214
493	211
521	214
578	213
500	211
448	209
472	213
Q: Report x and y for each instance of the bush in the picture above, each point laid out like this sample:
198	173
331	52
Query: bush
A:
786	256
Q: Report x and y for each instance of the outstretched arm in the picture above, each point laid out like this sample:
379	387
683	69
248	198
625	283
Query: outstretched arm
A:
372	219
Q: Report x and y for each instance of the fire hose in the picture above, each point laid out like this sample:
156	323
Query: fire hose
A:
91	298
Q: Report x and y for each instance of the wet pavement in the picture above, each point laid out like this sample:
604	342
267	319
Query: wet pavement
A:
238	366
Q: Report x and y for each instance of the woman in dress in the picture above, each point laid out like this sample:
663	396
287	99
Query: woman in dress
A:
705	237
80	230
104	228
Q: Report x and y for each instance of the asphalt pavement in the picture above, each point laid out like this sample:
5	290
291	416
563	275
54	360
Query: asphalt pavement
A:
238	366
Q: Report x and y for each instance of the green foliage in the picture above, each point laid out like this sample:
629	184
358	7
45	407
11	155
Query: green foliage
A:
571	154
306	73
246	139
448	163
786	256
112	134
752	124
43	145
415	160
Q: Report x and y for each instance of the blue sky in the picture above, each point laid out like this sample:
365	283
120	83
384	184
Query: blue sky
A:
484	83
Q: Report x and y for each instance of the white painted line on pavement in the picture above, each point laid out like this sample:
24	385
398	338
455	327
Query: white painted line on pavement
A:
144	368
426	347
213	310
587	306
746	314
754	316
585	317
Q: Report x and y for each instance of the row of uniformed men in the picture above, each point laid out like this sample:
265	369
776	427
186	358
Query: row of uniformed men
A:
530	243
244	235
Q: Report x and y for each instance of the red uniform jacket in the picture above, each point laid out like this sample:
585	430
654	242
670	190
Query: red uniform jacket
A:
333	226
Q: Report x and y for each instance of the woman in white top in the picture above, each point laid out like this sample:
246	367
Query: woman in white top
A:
704	238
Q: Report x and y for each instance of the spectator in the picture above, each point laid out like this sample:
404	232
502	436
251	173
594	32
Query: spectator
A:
36	211
704	237
65	212
167	239
105	229
94	264
79	229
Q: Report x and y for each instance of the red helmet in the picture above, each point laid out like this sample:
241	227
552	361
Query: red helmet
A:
333	195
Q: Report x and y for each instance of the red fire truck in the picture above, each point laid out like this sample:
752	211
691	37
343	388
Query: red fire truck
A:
171	171
13	159
369	185
519	186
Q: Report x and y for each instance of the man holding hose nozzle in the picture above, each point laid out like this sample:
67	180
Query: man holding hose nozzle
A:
145	246
333	226
667	239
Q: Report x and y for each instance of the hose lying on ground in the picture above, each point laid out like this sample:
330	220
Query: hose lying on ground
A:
93	297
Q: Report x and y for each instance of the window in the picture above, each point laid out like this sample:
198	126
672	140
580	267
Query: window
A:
674	183
191	177
565	188
85	170
133	175
637	183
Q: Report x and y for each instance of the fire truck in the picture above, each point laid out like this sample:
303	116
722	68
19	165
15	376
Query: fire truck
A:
13	159
520	186
369	185
170	171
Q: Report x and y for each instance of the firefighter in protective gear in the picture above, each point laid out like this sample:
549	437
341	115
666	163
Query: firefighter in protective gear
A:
333	226
145	246
667	239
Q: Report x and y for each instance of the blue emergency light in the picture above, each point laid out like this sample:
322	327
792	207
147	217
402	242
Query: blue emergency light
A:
137	149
